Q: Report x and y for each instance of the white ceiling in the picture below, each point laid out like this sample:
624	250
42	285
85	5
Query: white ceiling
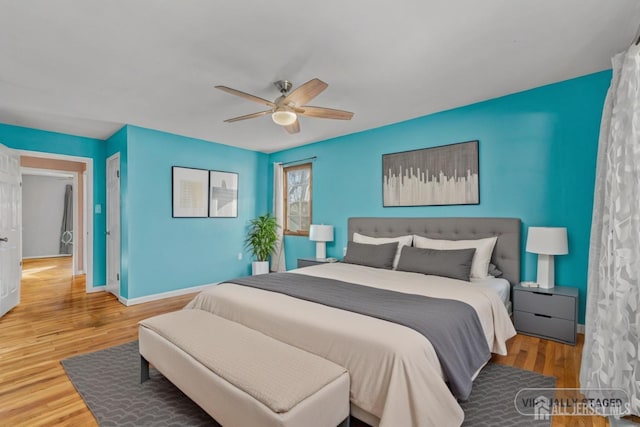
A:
86	67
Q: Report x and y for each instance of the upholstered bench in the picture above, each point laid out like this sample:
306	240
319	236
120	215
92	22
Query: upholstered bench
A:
242	377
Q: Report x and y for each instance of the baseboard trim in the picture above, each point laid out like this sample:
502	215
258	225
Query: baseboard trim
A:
47	256
580	328
163	295
96	289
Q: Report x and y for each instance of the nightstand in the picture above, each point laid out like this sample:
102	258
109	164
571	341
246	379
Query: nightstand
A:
306	262
546	313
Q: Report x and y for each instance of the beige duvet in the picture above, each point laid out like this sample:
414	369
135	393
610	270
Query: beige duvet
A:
395	374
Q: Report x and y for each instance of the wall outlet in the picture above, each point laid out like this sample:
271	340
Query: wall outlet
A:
239	256
98	208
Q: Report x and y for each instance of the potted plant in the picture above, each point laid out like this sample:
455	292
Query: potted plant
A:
262	239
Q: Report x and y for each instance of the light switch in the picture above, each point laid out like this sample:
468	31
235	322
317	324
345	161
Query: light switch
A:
98	208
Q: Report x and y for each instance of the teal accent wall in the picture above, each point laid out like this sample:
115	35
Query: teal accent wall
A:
22	138
165	253
537	154
161	253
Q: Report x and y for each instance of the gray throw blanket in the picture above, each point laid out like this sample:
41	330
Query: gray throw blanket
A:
452	327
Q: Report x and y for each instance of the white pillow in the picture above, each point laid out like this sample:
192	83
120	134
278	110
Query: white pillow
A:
481	259
402	241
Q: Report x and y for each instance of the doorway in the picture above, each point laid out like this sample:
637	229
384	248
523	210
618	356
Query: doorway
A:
51	216
81	171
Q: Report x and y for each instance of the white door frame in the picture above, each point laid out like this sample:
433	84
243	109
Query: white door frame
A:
114	288
87	214
75	219
88	209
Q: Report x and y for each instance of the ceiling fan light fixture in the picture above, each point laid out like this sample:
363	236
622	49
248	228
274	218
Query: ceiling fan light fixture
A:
289	105
284	118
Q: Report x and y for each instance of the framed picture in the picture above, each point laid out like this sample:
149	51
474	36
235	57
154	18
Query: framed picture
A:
189	192
223	194
446	175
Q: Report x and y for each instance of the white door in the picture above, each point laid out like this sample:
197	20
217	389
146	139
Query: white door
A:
10	229
113	224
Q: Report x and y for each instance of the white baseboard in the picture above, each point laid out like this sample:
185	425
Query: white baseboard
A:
163	295
47	256
580	328
96	289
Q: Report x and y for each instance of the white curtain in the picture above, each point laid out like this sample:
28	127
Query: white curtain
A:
277	259
610	358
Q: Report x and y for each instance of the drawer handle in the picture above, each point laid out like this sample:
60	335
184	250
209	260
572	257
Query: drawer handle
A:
542	293
542	315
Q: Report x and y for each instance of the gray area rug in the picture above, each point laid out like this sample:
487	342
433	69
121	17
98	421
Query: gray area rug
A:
109	383
491	400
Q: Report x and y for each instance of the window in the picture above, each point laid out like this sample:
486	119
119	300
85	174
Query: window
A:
297	202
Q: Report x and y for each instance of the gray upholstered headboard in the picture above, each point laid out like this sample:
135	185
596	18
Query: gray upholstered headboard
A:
506	255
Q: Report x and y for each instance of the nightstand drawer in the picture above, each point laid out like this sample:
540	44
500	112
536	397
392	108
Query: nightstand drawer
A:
553	305
548	327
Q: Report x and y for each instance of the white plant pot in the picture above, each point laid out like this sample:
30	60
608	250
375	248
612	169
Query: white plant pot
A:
259	267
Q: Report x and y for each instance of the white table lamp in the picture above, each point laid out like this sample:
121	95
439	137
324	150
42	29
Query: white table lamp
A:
321	234
547	242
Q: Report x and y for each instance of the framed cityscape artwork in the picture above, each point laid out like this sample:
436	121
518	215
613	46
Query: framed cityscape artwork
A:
445	175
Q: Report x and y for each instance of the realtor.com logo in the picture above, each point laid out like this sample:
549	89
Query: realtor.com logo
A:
542	403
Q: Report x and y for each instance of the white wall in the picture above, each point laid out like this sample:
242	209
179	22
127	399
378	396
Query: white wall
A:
42	208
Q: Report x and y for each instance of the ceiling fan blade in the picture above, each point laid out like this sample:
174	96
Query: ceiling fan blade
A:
306	92
326	113
293	128
248	116
246	96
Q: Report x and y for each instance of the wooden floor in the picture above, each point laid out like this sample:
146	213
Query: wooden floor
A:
57	319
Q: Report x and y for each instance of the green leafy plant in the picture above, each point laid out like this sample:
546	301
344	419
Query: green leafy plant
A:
262	236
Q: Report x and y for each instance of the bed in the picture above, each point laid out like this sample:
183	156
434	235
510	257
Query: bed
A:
396	376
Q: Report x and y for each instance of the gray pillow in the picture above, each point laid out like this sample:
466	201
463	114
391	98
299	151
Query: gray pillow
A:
377	256
493	271
453	263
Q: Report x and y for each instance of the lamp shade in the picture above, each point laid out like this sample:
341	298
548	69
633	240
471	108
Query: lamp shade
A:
321	233
283	117
547	240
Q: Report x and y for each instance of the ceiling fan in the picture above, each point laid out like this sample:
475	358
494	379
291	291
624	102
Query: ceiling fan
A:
287	107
